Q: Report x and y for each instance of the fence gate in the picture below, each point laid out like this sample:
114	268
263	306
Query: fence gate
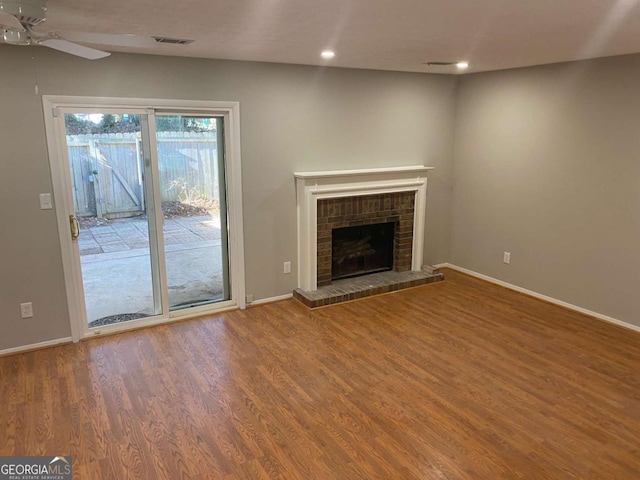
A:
107	174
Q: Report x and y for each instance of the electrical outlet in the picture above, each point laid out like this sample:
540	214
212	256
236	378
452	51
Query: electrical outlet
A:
506	258
249	298
26	310
287	267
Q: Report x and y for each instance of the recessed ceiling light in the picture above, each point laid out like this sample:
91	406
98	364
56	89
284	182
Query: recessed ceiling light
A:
328	54
462	65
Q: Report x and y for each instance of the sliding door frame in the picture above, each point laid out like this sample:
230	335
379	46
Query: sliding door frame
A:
55	105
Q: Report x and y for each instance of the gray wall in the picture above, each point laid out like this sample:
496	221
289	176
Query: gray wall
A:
292	118
547	167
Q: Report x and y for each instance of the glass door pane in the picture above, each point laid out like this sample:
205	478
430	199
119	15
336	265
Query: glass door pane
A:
112	203
191	169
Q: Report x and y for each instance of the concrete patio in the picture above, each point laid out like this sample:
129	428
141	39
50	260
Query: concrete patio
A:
132	233
116	266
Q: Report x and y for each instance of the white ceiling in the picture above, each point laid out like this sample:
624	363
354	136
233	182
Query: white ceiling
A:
375	34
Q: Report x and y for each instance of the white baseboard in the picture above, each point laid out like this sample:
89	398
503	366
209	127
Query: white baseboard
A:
262	301
531	293
442	265
35	346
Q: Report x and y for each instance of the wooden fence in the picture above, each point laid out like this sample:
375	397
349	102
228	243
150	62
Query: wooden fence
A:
107	171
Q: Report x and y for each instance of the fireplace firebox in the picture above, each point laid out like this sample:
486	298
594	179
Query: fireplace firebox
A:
360	211
362	249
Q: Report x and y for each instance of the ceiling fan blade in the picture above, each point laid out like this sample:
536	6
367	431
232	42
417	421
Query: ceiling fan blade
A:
111	39
73	48
11	22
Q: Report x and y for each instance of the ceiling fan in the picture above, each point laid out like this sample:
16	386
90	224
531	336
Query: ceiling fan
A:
19	17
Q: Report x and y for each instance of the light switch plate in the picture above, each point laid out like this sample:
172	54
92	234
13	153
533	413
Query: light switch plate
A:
26	310
45	201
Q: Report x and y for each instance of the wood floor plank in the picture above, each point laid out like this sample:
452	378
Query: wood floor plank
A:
456	380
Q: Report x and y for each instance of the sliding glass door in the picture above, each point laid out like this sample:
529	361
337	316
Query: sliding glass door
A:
148	212
112	220
192	178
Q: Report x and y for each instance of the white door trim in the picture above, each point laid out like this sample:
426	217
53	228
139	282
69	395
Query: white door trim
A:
52	105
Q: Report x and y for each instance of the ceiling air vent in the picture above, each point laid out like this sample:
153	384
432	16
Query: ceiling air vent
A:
173	41
439	64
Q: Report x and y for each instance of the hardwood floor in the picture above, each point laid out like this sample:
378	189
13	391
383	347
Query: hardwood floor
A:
456	380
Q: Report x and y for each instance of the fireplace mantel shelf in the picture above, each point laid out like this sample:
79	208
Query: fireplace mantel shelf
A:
363	171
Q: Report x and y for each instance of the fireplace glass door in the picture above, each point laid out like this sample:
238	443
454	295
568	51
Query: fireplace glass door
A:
362	249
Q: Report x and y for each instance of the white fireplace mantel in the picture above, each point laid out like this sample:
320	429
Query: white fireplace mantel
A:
313	186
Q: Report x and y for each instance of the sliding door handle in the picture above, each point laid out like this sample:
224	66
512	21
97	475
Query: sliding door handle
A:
75	227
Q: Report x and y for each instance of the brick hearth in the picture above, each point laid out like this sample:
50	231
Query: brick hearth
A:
365	286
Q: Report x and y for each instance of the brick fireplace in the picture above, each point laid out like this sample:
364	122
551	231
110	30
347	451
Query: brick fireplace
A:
386	208
334	199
